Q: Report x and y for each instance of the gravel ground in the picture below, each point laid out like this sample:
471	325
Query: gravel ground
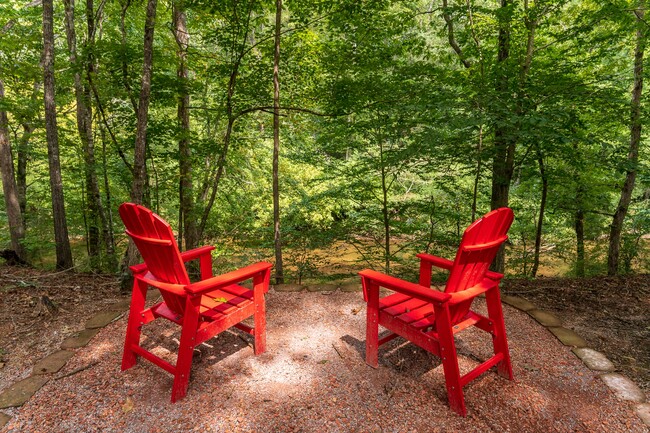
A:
313	378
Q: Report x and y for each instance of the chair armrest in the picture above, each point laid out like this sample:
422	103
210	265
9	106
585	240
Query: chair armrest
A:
448	264
228	278
405	287
474	291
436	261
196	253
177	289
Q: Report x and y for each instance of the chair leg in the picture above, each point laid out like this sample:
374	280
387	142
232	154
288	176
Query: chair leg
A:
186	348
260	323
449	360
134	325
499	339
372	324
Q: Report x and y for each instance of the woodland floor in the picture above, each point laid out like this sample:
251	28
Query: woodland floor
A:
38	310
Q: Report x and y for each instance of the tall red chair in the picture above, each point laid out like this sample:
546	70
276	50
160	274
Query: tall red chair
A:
430	319
203	309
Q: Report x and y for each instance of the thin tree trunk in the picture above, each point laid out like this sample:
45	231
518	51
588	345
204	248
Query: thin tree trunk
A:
542	208
63	251
187	217
504	141
384	208
12	202
21	169
140	150
616	227
95	218
579	224
479	150
279	276
139	173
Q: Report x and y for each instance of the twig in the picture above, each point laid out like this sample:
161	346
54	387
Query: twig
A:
78	370
337	351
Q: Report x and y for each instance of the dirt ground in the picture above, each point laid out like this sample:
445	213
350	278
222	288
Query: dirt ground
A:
38	310
611	313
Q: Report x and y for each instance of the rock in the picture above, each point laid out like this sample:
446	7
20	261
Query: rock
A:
18	393
4	419
79	340
567	336
594	359
544	317
322	287
642	409
52	363
623	387
518	303
350	287
288	287
102	319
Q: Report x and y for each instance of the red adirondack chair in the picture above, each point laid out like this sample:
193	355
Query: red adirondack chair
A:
430	319
203	309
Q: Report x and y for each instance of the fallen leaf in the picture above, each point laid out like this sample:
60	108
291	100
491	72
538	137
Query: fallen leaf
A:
324	361
222	300
128	405
355	310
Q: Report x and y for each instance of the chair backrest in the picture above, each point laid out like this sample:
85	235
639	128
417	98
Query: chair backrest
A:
478	247
155	240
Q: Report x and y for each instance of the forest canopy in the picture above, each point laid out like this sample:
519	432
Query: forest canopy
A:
378	128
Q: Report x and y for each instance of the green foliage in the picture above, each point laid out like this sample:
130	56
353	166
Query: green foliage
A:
384	130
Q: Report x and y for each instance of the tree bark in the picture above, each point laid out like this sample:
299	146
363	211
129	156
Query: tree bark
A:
140	148
187	217
96	218
504	140
12	202
139	173
540	219
63	251
279	273
616	227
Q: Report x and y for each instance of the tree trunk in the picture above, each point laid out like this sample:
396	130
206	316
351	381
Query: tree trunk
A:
63	252
616	227
12	202
187	217
279	277
140	149
95	217
542	208
139	172
21	170
504	141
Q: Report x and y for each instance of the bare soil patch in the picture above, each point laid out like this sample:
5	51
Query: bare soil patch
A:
611	313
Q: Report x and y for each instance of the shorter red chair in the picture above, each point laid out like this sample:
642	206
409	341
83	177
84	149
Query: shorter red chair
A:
203	309
430	319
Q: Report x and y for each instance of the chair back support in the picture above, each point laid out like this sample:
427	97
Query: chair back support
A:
155	240
478	247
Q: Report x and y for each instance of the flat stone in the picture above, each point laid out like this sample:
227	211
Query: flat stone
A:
122	305
567	336
544	317
322	287
80	340
288	287
4	419
102	319
593	359
52	363
350	287
641	409
18	393
518	303
623	387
